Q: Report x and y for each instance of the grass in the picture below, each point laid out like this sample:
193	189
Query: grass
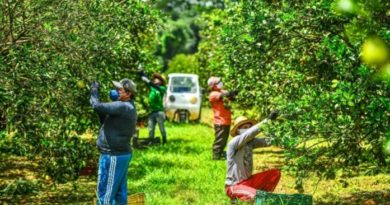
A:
182	172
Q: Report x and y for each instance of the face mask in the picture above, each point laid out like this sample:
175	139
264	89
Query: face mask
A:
114	95
240	131
220	85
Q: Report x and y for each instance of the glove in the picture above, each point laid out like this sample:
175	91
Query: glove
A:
140	68
145	79
273	115
233	93
94	86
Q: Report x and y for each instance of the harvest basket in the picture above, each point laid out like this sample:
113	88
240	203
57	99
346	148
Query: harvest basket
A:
266	198
134	199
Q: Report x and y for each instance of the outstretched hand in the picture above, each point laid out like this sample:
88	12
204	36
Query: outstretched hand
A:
94	86
273	115
234	92
140	68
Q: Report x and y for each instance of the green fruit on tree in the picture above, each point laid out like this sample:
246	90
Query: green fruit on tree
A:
386	145
81	84
374	52
385	72
346	6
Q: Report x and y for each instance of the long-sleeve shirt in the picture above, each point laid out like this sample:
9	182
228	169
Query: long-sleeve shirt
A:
118	126
156	95
240	154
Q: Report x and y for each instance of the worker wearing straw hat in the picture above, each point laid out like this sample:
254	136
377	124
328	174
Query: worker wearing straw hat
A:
240	183
157	86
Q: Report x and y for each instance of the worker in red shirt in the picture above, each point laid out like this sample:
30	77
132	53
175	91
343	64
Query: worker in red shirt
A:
222	115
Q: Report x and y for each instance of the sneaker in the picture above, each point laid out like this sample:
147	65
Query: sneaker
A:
219	157
222	155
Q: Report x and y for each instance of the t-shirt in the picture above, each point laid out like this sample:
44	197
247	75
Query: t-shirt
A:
222	114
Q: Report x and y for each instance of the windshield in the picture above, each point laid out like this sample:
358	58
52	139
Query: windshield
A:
183	85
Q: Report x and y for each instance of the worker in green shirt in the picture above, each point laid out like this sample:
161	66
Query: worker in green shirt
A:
158	89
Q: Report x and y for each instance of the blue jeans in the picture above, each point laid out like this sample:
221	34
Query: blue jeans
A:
112	179
159	118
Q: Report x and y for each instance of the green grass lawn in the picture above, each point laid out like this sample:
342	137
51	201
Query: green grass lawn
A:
182	172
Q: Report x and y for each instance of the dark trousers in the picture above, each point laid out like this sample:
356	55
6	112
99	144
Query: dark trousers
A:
157	118
221	137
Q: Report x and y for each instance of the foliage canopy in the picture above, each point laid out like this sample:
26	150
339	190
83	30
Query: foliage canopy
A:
303	57
50	52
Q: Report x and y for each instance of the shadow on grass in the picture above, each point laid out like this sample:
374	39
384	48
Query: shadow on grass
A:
17	163
270	166
14	168
268	151
360	198
59	194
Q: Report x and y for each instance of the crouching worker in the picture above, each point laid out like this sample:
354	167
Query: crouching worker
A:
240	183
118	125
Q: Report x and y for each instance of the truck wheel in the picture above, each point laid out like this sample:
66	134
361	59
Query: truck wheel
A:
183	116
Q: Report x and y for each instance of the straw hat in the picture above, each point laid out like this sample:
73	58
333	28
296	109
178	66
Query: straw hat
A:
158	76
238	122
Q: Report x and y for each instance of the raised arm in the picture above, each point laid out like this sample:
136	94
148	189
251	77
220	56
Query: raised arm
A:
219	95
111	108
241	140
146	79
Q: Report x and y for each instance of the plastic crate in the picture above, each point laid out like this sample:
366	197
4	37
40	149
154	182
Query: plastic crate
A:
267	198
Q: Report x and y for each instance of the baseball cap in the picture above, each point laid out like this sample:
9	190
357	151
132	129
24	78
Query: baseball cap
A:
213	81
126	84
